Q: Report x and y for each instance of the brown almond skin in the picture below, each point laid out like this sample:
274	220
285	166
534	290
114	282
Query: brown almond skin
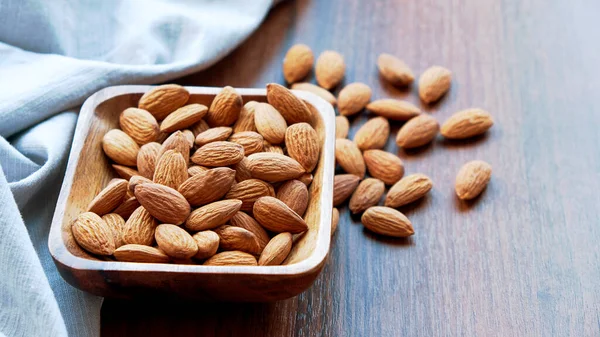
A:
373	134
245	121
353	98
136	180
225	108
241	170
119	147
434	83
237	238
163	202
127	207
394	70
297	63
367	194
139	228
268	147
314	89
417	132
269	123
199	127
183	117
273	167
212	215
218	154
251	141
335	219
302	143
164	99
139	124
387	221
93	234
289	106
231	258
243	220
208	244
171	170
116	223
177	142
109	198
349	157
248	191
140	253
124	172
294	194
219	133
408	189
196	169
394	109
147	158
472	178
330	69
277	250
207	186
342	127
189	136
175	241
277	217
343	187
384	166
467	123
306	179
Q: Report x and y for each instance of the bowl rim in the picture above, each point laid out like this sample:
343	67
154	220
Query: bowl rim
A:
312	263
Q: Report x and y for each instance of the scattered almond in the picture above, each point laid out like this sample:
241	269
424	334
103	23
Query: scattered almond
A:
353	98
139	228
467	123
408	189
245	121
218	154
92	234
231	258
373	134
472	178
140	253
367	194
119	147
116	223
243	220
289	106
277	250
273	167
109	198
314	89
139	124
417	132
251	141
302	144
294	194
335	219
183	117
297	63
387	221
237	238
394	70
171	170
248	191
217	134
147	158
349	157
177	142
212	215
394	109
384	166
175	241
434	83
225	108
343	186
330	69
277	217
163	202
162	100
207	186
342	127
208	243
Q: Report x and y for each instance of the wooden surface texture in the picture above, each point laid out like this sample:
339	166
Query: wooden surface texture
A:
521	260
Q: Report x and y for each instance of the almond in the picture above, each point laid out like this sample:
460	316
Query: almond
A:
207	186
335	219
136	180
183	117
342	127
394	109
268	147
231	258
196	169
248	191
472	178
251	141
241	170
140	253
171	170
467	123
434	83
306	178
417	132
269	123
277	217
199	127
109	198
373	134
146	159
237	238
217	134
139	228
124	171
116	223
225	108
139	124
119	147
163	202
302	143
348	155
330	69
164	99
343	186
387	221
177	142
294	194
289	106
384	166
243	220
314	89
353	98
175	241
297	63
367	194
219	154
189	136
273	167
394	70
276	251
212	215
208	243
408	189
92	234
245	121
127	207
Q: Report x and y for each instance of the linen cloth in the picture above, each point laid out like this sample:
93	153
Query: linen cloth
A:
53	55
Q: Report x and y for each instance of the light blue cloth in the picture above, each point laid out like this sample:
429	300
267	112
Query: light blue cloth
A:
53	55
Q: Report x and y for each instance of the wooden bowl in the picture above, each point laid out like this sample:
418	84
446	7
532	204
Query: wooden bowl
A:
89	170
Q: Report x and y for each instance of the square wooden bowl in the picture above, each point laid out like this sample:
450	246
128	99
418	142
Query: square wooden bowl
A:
89	170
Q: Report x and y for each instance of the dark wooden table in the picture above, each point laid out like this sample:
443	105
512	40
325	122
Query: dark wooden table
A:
521	260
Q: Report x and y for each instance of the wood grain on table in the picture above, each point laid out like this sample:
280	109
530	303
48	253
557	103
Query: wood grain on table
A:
523	259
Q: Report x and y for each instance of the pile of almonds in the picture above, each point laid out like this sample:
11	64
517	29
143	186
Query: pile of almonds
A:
364	153
219	185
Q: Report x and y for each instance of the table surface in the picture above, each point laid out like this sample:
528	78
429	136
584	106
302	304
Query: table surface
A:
522	259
